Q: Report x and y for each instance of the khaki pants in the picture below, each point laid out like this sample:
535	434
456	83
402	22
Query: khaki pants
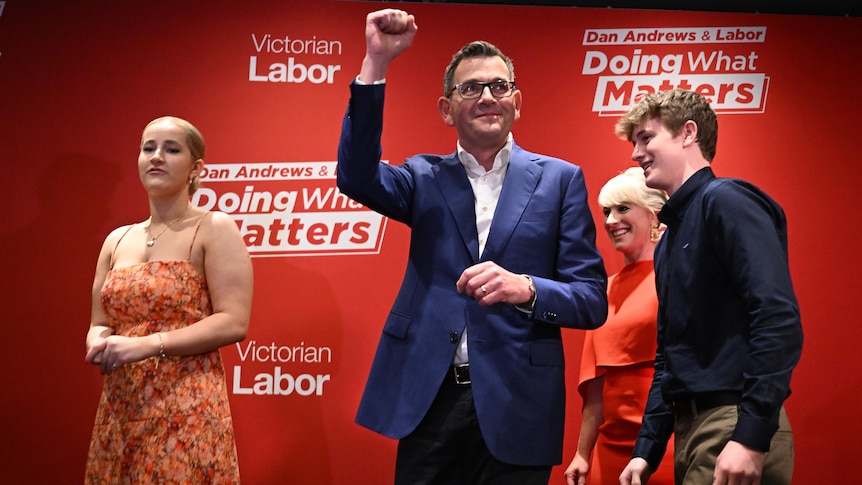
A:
699	438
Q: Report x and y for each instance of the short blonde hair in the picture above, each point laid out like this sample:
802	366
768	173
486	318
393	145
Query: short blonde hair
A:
630	187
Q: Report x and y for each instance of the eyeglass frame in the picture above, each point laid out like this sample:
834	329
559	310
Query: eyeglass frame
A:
510	84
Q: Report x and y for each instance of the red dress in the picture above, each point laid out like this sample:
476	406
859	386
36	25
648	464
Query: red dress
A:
623	351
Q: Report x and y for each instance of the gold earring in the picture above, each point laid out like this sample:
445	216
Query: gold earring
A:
654	234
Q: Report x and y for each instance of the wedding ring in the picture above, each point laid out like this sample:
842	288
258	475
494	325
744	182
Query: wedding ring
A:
484	290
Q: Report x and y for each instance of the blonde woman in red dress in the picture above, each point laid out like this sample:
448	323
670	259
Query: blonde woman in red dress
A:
168	293
617	360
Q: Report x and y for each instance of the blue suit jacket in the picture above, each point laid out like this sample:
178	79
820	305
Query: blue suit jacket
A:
542	227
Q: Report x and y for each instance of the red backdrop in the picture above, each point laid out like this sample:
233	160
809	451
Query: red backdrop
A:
78	81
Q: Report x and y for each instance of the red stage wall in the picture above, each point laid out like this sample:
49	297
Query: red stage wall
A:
79	80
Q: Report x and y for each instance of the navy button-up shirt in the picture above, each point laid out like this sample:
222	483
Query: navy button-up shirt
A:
728	317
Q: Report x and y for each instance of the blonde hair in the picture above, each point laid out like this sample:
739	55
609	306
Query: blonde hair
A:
630	187
194	139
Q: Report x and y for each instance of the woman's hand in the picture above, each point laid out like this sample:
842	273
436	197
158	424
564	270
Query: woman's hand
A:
576	473
115	351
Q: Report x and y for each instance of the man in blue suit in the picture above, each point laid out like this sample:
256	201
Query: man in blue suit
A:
469	371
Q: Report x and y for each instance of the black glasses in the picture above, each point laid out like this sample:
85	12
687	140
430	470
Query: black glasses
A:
474	89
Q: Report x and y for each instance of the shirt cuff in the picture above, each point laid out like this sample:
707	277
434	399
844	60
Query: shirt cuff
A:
359	81
754	432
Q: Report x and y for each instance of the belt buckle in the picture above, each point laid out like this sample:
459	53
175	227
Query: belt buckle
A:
462	374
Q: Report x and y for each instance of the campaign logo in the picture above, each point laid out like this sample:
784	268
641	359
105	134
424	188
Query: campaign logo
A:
292	60
280	364
290	209
717	62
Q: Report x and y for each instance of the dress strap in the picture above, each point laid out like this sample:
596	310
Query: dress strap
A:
114	251
197	227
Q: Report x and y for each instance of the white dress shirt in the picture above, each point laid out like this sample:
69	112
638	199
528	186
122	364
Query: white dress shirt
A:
487	185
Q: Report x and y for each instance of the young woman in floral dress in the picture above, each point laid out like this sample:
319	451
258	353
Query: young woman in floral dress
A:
168	293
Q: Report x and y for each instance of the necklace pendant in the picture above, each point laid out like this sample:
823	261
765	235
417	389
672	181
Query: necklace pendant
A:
151	242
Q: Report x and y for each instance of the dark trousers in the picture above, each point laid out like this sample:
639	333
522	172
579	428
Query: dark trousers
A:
447	448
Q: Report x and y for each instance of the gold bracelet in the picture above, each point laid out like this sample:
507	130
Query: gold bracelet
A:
161	349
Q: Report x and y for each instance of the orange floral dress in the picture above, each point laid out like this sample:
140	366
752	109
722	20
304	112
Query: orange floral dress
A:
623	351
167	421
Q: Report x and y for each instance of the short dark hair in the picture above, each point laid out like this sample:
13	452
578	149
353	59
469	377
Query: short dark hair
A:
477	48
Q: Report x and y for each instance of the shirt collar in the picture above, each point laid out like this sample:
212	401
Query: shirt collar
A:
672	212
501	160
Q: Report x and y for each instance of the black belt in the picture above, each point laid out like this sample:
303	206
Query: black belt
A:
701	402
461	373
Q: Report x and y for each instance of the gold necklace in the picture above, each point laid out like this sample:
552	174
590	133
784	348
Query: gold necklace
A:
153	238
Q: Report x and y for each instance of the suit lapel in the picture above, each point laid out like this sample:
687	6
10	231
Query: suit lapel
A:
456	190
521	180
